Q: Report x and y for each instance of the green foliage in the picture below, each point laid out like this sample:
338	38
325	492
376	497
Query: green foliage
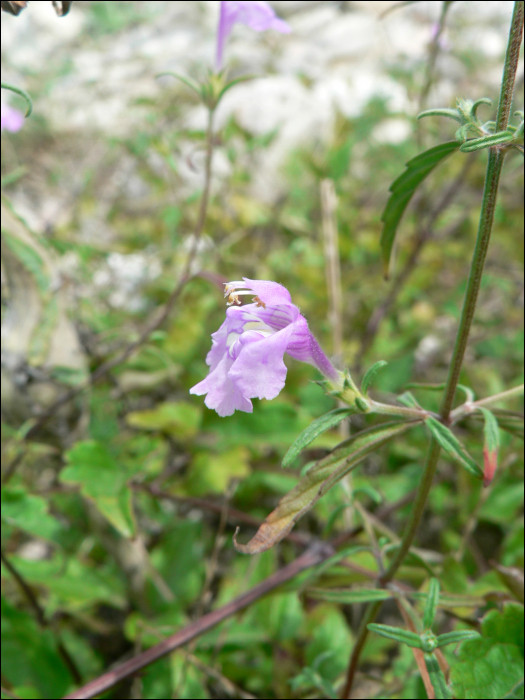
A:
120	520
491	667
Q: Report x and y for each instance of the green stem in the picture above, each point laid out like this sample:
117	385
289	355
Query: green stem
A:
391	410
494	165
469	407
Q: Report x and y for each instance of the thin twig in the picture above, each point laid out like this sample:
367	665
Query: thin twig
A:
313	556
333	265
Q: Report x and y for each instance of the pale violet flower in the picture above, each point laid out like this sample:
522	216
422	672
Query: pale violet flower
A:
246	357
256	14
12	119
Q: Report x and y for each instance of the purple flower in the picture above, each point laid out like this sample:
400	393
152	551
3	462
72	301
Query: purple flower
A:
258	15
12	119
246	357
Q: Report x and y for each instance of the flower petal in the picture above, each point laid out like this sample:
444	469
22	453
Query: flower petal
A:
222	393
271	293
259	370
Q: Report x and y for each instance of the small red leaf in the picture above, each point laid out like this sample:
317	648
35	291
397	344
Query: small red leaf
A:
490	458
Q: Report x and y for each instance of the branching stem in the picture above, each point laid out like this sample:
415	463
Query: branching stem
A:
494	166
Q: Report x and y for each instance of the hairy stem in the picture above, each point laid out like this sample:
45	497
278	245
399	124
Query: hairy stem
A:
469	407
494	165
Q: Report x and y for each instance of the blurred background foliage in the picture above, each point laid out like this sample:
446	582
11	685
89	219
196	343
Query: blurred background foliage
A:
115	515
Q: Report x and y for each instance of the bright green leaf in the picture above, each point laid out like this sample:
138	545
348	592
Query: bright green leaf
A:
491	667
370	374
178	418
457	636
101	480
400	635
317	427
431	604
29	513
350	596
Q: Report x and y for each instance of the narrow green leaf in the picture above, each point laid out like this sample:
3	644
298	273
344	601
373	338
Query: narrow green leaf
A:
407	637
491	430
317	427
431	604
510	421
452	446
23	94
491	446
437	678
486	141
189	83
451	113
469	394
329	563
402	190
30	259
372	493
232	83
348	597
427	387
457	636
318	480
370	374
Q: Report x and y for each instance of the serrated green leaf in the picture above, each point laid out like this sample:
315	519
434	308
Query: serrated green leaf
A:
452	446
491	667
318	480
316	428
178	418
103	481
431	604
370	374
402	190
400	635
29	513
30	654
